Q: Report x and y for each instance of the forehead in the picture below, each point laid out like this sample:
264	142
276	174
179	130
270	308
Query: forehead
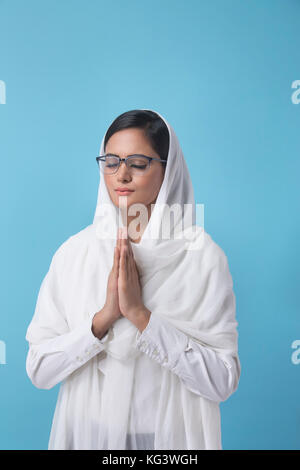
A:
128	142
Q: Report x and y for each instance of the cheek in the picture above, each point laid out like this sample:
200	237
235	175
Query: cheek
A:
109	183
150	187
110	189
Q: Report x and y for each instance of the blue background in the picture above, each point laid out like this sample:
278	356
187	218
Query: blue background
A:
221	73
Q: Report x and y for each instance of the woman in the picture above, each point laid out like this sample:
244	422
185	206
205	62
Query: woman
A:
138	326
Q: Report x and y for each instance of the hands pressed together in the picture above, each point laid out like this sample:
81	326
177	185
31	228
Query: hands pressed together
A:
124	293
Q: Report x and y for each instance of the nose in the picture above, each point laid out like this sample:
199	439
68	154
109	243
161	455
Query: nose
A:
123	173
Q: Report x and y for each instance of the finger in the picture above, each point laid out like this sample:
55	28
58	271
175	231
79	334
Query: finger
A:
118	235
130	245
131	255
116	262
131	260
116	257
128	251
125	237
127	242
123	262
119	239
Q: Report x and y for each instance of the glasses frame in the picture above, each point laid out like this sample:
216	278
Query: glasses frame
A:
102	159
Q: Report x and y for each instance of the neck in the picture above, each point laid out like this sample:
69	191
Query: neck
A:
140	228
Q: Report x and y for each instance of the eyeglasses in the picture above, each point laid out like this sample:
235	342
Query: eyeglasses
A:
137	164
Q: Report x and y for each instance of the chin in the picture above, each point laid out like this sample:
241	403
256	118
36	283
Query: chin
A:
129	200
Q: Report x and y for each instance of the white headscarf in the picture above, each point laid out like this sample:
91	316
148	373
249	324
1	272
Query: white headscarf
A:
186	279
191	288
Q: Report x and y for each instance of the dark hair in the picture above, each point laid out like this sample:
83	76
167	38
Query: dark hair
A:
154	127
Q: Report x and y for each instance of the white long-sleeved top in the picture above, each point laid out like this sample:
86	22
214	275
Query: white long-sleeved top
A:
201	369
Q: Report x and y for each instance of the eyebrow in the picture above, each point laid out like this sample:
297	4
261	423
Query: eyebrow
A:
131	155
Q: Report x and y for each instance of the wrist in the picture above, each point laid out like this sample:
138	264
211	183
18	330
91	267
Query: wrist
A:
101	323
140	318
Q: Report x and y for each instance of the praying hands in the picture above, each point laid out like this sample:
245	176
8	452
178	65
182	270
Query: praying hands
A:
129	288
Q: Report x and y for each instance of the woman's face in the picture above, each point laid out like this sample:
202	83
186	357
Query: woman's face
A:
145	187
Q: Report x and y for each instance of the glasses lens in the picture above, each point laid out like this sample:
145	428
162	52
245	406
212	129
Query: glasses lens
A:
110	164
138	165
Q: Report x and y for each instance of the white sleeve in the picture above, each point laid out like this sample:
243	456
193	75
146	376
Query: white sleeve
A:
200	369
52	361
55	351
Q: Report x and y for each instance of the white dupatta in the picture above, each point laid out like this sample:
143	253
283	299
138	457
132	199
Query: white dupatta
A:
186	279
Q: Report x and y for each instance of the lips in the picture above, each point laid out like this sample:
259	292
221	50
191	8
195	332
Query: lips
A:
124	193
125	190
